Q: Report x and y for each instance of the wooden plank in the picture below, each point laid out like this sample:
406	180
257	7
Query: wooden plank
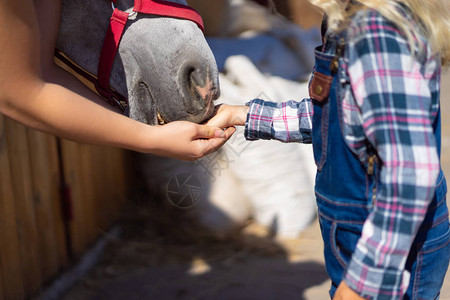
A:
95	175
118	173
99	181
23	200
46	186
30	204
57	209
104	168
107	189
11	268
111	193
2	295
103	189
119	176
88	169
72	173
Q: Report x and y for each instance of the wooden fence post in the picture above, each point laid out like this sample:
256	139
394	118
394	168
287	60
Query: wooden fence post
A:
11	266
24	203
34	243
45	179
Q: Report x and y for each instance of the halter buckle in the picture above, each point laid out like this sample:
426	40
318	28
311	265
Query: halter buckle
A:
131	13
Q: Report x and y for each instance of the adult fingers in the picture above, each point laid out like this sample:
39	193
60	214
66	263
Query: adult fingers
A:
209	132
214	144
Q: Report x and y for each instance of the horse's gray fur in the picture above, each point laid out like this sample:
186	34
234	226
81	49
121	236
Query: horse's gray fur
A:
163	64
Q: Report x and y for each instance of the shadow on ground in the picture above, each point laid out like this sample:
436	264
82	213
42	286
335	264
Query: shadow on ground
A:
166	256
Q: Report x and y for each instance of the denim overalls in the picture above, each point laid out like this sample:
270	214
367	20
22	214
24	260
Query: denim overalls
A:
345	191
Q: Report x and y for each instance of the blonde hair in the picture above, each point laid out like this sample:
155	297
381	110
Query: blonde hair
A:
433	15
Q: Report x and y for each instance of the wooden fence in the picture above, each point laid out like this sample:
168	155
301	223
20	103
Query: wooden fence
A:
56	197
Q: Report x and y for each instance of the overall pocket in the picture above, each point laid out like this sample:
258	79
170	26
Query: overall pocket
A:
344	240
430	267
340	241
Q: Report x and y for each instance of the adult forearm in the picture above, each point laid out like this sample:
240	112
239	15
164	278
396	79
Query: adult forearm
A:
57	75
59	111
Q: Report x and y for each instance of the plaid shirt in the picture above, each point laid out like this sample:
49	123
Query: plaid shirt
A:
390	99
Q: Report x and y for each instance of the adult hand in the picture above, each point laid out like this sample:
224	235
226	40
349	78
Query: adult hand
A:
229	115
344	292
189	141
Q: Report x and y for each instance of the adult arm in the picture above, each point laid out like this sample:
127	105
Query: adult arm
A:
391	89
48	15
28	99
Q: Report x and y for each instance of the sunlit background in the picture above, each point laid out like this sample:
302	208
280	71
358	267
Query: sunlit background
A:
239	224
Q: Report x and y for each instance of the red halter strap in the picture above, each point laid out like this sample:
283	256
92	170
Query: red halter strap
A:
168	9
115	32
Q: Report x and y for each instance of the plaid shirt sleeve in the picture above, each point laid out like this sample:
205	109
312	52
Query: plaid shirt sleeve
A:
287	122
391	88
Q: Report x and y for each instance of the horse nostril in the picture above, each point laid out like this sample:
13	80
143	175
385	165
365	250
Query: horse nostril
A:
200	88
189	76
196	78
197	85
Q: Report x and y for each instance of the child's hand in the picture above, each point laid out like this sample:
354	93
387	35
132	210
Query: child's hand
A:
188	141
229	115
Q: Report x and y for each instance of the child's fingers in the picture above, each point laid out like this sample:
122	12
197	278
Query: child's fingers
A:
217	121
220	117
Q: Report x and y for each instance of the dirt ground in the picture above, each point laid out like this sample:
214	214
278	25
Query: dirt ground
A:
170	258
155	260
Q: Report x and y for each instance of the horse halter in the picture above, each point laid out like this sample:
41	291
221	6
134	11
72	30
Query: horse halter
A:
114	34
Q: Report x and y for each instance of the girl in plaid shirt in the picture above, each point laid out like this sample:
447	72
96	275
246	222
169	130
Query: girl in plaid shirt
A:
373	118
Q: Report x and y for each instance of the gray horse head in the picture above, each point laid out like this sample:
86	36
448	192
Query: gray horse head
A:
164	65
